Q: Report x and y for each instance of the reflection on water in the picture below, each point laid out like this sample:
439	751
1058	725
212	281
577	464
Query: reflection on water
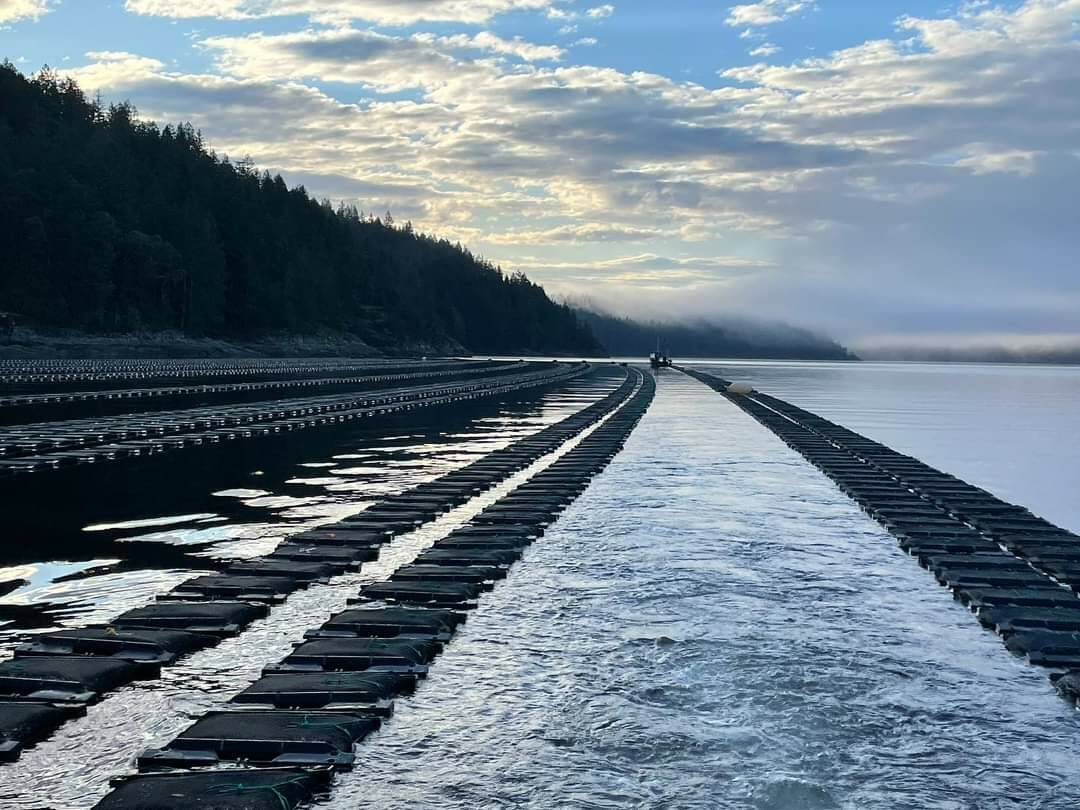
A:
149	522
189	537
240	493
127	561
38	578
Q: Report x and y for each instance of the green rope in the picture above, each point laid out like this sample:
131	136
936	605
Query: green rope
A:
308	722
240	787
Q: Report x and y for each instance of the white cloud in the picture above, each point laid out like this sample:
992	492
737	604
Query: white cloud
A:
587	41
110	68
575	234
766	49
1016	161
487	41
650	269
14	10
765	12
903	183
386	12
226	9
568	15
379	61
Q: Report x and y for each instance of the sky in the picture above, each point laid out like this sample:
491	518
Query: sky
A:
896	172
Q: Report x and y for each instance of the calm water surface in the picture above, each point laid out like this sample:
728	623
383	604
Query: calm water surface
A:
712	624
1012	429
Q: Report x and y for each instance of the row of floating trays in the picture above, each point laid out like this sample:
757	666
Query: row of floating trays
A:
301	720
37	447
1019	573
56	675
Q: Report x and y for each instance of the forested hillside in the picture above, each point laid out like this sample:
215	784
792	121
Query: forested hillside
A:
627	338
110	224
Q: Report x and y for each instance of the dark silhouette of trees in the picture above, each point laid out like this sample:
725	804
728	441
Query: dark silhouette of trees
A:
112	224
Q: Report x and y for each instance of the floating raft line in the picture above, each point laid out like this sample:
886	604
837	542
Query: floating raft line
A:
1019	573
40	374
50	445
72	668
16	408
308	711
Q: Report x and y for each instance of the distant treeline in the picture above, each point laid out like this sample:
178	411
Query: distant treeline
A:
1055	355
626	338
111	224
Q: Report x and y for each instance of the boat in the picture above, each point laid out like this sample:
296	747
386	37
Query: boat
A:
659	359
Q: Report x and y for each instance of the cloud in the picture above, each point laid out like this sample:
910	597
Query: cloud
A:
766	12
385	12
379	61
575	234
14	10
644	269
766	49
927	98
223	9
309	132
109	69
568	15
487	41
1016	161
530	121
922	182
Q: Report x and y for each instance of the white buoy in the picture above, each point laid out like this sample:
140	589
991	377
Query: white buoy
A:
740	388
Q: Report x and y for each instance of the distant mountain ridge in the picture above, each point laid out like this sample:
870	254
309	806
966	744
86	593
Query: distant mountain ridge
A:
1067	355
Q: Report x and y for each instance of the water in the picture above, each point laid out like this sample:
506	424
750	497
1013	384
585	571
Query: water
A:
712	624
85	549
74	766
1012	429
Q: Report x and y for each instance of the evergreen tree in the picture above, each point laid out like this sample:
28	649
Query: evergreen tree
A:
110	223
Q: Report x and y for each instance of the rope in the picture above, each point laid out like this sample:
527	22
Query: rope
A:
308	722
239	788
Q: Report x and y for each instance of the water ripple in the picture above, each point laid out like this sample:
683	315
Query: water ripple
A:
713	624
